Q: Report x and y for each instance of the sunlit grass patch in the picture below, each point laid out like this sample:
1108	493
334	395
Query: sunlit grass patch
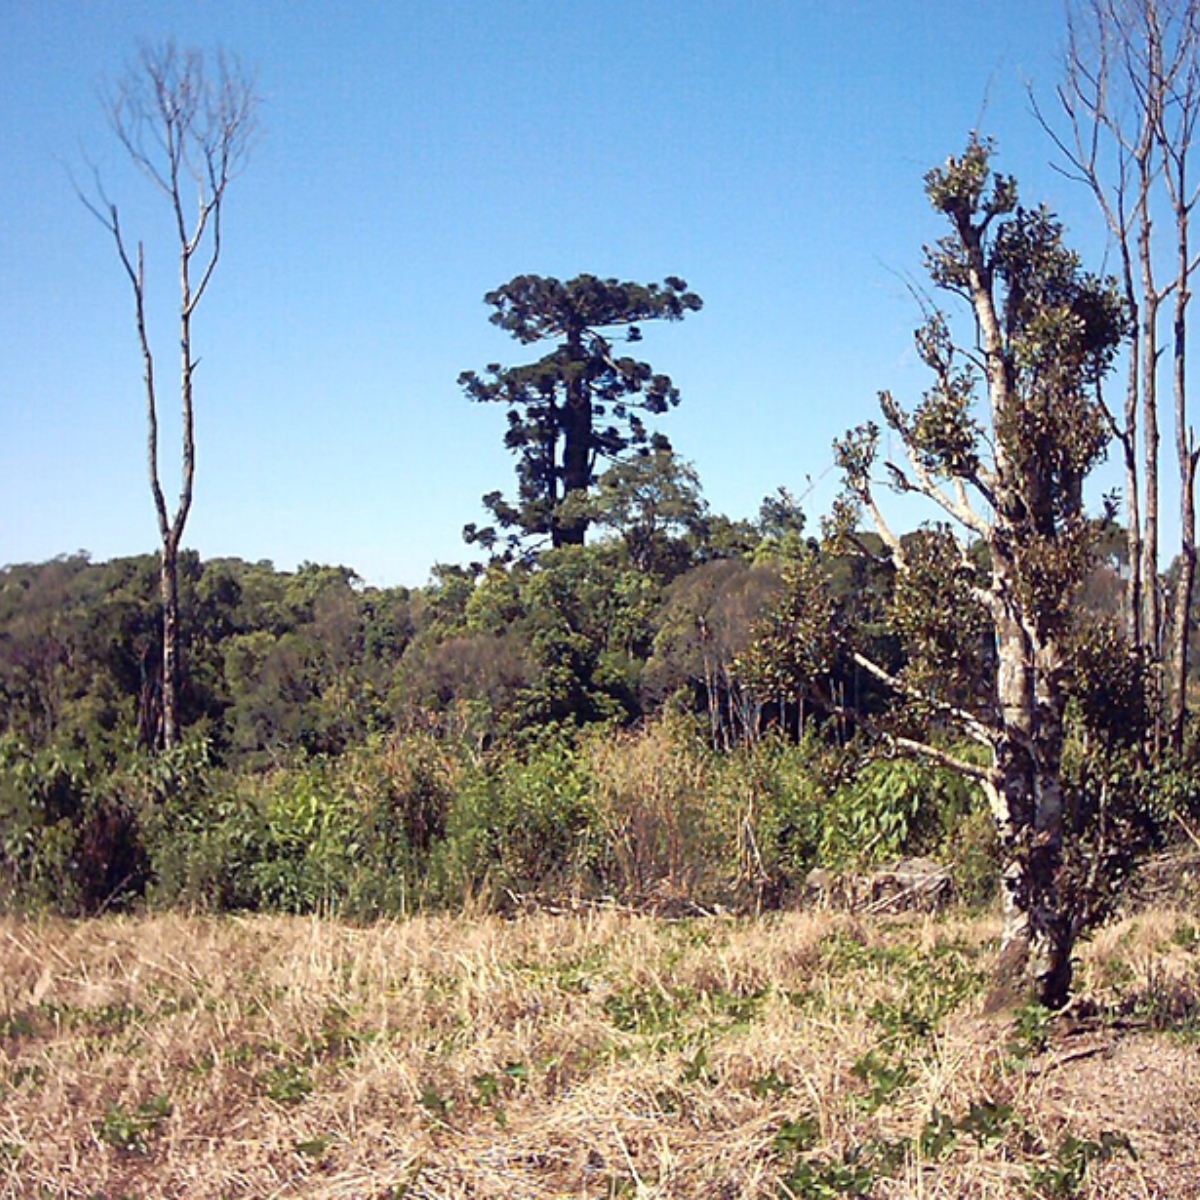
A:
596	1054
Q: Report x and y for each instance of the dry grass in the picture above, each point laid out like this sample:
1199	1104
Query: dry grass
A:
598	1055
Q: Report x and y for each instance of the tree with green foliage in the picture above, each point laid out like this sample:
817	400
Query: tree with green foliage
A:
580	403
985	605
1046	334
706	620
653	503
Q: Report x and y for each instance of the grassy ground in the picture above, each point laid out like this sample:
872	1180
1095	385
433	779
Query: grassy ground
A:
594	1055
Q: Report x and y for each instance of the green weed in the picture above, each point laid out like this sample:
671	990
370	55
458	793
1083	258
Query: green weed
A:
1064	1176
884	1078
314	1147
937	1136
288	1083
987	1121
769	1084
820	1179
798	1134
1187	937
1031	1031
131	1131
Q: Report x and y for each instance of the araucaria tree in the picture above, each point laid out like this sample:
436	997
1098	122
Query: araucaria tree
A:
186	124
1002	443
578	405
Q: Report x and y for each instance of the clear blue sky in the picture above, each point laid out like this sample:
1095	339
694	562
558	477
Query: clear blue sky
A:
416	155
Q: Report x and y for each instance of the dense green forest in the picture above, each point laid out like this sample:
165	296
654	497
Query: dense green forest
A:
583	722
345	743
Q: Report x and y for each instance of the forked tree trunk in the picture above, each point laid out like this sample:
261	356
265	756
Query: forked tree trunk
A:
1027	793
188	133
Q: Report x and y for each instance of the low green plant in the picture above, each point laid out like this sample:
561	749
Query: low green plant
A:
649	1011
434	1102
937	1135
798	1134
131	1130
883	1076
1030	1032
287	1083
491	1090
987	1121
1065	1174
314	1147
1186	936
824	1179
697	1069
770	1084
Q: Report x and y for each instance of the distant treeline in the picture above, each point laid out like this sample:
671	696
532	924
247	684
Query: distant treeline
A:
311	662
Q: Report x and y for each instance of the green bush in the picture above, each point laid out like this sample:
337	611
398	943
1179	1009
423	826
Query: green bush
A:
525	825
790	784
894	807
418	821
42	796
67	843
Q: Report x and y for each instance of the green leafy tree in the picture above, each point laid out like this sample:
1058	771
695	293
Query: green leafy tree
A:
653	503
781	523
580	403
706	621
984	608
1009	472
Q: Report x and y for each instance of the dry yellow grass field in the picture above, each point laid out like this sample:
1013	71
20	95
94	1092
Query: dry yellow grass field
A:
598	1054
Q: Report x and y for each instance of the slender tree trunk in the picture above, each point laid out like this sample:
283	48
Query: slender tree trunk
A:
1134	597
1152	102
1176	169
169	594
1186	583
1184	591
1152	596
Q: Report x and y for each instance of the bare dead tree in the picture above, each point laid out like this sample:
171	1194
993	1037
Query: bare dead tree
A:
1179	113
1130	95
187	125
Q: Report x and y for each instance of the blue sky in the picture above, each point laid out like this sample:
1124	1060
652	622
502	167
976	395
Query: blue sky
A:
414	156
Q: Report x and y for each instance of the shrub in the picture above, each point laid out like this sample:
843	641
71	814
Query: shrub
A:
42	796
660	823
525	824
894	807
66	843
788	786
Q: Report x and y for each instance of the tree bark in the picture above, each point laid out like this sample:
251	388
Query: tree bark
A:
169	596
577	443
